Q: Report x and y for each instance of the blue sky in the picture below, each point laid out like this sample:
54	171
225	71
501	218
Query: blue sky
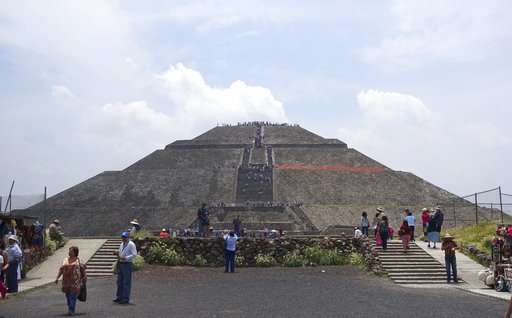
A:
421	86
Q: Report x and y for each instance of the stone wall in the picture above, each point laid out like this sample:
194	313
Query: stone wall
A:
212	249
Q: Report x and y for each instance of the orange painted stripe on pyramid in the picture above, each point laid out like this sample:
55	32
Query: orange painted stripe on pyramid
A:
340	168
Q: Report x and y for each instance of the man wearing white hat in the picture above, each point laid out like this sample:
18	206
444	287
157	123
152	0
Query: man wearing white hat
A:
14	255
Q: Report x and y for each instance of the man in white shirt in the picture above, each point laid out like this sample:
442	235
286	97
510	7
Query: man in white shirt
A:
229	251
127	251
357	233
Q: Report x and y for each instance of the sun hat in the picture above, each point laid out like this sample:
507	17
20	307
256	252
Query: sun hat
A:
425	209
14	238
380	209
125	234
56	221
448	236
135	222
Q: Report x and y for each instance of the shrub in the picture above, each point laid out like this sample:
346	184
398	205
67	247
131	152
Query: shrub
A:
141	234
293	259
239	260
199	261
138	262
264	260
318	256
357	259
159	253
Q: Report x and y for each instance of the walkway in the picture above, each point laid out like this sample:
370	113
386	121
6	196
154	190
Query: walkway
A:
46	272
467	270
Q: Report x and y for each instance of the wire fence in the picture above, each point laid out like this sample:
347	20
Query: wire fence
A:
18	202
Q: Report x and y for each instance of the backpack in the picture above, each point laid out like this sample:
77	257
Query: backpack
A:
383	229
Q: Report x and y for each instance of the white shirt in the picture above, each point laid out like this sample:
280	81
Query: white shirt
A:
410	220
230	242
128	251
358	233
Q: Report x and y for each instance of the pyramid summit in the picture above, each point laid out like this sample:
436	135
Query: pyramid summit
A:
271	175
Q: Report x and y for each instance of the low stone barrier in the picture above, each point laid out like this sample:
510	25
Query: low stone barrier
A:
212	249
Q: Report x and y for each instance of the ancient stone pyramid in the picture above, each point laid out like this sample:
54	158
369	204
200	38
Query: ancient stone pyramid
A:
247	167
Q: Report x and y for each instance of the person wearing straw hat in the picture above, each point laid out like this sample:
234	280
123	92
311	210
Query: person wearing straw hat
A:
14	256
56	234
135	226
449	246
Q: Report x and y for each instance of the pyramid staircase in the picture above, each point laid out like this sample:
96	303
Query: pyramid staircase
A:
102	262
414	267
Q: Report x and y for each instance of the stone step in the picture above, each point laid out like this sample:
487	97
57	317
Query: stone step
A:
100	270
420	282
415	270
412	266
407	274
409	261
99	274
92	266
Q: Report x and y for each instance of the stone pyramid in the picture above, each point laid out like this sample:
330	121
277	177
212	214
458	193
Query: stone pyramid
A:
271	175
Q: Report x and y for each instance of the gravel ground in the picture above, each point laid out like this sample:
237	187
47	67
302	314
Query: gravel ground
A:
340	291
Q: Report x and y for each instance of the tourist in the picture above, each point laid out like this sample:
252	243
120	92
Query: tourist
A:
14	256
438	219
3	267
163	234
203	220
135	227
56	234
127	251
384	231
405	235
449	246
237	225
357	233
229	252
365	223
411	220
375	226
425	217
73	278
37	237
432	233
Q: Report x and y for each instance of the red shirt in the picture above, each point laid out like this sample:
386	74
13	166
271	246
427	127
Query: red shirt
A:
164	234
425	217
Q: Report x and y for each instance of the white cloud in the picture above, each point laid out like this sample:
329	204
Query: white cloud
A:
402	132
455	31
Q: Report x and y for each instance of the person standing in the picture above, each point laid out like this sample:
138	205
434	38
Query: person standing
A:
229	252
203	220
73	278
14	256
432	234
425	217
3	267
449	246
405	235
127	251
365	223
56	234
438	219
384	231
357	233
411	220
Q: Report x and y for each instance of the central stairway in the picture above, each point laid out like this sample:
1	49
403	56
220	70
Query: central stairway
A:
414	267
102	262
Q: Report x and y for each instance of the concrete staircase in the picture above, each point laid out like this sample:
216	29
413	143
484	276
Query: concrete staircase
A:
414	267
102	262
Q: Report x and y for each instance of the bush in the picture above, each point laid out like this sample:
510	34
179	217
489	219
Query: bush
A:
293	259
159	253
357	259
264	260
141	234
138	262
240	260
318	256
199	261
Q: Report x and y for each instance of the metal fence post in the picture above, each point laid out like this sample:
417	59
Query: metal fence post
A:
501	205
476	208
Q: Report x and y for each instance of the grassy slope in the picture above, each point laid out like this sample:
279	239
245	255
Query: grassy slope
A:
478	235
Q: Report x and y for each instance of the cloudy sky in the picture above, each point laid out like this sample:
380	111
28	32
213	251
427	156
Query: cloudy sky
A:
421	86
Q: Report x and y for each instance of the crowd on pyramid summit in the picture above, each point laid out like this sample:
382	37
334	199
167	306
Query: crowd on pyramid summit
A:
258	124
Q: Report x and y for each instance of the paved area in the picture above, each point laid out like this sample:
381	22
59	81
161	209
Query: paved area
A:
46	272
468	270
340	291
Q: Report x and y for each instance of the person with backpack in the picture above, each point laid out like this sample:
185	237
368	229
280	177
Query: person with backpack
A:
384	232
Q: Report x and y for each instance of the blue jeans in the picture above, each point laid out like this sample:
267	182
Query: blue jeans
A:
364	230
71	298
229	261
451	267
124	281
12	277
